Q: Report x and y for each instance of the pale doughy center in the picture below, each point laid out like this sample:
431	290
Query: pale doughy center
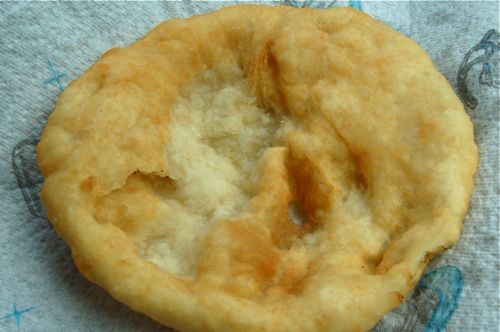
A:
217	138
217	135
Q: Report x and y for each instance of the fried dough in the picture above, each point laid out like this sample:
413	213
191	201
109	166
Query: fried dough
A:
171	166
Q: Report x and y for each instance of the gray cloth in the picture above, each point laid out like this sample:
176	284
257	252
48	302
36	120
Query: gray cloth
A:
43	46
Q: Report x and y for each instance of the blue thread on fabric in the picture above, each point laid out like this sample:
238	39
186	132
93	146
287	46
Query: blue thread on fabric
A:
321	4
17	314
29	178
490	46
447	282
56	76
356	4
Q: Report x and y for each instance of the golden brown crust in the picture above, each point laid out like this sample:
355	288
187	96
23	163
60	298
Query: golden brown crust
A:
367	138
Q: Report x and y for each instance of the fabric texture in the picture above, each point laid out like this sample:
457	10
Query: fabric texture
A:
44	46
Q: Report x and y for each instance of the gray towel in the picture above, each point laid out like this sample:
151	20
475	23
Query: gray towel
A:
44	46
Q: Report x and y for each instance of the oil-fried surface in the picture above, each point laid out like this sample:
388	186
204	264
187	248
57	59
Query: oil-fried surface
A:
171	166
